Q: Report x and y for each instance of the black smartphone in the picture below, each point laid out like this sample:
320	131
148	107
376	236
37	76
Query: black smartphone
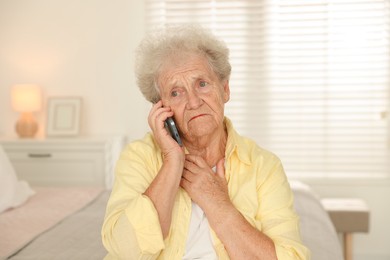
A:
172	129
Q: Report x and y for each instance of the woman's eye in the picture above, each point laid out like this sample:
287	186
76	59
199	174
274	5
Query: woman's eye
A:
174	93
203	84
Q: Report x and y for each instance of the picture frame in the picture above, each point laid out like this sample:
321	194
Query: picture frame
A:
63	116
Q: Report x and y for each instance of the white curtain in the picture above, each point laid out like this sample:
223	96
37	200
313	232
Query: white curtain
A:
310	79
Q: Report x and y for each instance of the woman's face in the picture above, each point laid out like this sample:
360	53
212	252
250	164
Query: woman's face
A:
195	94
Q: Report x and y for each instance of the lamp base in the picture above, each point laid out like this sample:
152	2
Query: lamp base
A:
26	126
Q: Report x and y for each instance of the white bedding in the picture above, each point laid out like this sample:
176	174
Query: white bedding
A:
42	211
317	230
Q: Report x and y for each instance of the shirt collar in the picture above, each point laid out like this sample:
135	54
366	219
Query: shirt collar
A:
236	144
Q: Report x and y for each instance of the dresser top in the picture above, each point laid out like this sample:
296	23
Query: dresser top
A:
48	140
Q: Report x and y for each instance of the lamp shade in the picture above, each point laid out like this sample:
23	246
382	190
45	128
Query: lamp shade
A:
26	98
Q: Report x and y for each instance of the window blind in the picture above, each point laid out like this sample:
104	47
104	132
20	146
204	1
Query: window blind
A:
310	79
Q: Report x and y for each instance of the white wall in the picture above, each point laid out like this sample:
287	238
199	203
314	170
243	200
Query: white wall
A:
75	48
86	48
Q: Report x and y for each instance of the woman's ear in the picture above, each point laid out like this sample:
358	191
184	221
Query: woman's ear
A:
226	91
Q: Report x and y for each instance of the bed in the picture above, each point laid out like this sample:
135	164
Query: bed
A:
65	223
55	223
75	232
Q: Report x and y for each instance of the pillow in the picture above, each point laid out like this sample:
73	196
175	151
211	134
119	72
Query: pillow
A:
317	230
13	193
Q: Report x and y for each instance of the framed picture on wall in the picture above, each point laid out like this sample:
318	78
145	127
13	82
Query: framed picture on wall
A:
63	116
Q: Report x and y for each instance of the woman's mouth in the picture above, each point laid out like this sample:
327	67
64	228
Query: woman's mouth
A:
197	116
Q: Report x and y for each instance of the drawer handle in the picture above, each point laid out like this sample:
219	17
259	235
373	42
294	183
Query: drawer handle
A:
39	155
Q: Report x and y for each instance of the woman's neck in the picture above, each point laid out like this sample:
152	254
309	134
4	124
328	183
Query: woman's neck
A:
211	148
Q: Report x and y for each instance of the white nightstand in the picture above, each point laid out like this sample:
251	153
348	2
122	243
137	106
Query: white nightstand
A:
64	161
348	216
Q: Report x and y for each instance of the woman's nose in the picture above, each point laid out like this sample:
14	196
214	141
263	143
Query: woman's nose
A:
193	101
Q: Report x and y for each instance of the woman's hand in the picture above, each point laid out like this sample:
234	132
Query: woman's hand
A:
206	188
157	116
210	191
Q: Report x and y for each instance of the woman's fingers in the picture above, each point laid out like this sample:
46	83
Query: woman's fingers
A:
203	185
157	115
194	160
188	176
152	112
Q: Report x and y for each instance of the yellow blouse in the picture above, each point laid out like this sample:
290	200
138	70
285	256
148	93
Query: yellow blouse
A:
258	188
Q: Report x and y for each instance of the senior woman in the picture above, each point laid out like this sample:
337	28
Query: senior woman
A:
219	196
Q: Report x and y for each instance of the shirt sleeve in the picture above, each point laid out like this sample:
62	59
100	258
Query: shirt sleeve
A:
131	228
276	212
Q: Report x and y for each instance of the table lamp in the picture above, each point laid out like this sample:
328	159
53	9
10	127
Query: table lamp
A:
26	99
